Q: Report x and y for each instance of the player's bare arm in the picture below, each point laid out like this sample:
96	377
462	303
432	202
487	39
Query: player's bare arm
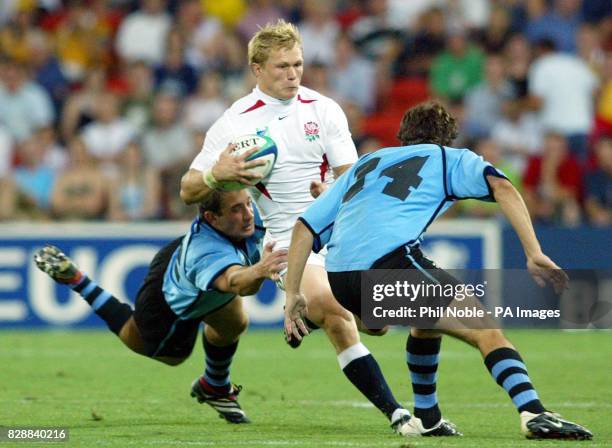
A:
540	267
196	185
295	303
246	280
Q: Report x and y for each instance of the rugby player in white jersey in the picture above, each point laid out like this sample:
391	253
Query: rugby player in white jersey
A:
314	143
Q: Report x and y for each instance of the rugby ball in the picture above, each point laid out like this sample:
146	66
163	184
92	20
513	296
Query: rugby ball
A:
267	151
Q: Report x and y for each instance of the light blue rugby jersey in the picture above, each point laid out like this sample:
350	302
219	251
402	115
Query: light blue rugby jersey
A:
389	198
196	263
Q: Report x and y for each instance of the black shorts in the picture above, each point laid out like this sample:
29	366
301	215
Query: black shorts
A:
162	331
346	286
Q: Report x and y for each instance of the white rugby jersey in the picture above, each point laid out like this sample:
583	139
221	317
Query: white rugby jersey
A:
311	134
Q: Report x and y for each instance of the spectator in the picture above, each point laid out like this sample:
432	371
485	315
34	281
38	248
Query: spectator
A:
108	134
34	180
138	100
350	11
173	206
79	108
15	36
137	193
457	69
374	34
590	49
319	31
7	187
518	134
81	189
517	59
553	183
167	144
204	35
352	77
598	203
142	34
259	13
483	103
562	88
559	24
418	51
7	199
47	70
469	14
409	15
82	40
188	17
207	105
6	152
493	37
54	154
175	75
317	78
24	105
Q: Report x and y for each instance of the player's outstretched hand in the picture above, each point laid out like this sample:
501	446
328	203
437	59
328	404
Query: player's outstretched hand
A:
316	188
236	168
273	262
544	270
295	311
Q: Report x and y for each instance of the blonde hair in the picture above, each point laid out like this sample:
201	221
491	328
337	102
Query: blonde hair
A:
272	36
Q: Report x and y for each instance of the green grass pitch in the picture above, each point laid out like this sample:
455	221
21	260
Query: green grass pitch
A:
108	396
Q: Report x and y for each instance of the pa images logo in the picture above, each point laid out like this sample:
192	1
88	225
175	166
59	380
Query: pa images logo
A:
311	131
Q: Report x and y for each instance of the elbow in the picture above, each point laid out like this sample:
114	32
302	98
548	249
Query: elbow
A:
500	186
234	286
242	291
188	194
185	196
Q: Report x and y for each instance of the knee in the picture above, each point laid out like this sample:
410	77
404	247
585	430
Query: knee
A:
337	319
338	323
238	326
341	330
242	324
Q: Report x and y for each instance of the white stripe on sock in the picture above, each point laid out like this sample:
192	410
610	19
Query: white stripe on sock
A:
350	354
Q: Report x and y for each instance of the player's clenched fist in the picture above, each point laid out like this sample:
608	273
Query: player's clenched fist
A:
317	188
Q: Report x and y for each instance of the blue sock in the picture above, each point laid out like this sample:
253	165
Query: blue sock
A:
509	371
105	305
363	371
422	355
218	363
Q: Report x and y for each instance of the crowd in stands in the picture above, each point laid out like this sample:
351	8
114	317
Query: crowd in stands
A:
104	103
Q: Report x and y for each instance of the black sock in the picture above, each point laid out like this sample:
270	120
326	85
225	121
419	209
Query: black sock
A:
218	363
363	371
422	355
105	305
509	371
